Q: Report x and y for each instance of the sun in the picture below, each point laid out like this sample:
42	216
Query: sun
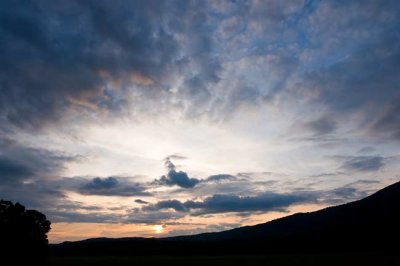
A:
158	229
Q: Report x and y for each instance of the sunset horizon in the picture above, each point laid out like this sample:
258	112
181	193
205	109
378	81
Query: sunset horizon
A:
168	118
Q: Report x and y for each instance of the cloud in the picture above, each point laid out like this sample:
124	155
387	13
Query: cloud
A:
158	217
175	157
26	174
363	163
174	177
367	149
231	203
261	202
353	191
12	171
98	183
35	195
74	216
389	121
182	179
31	176
220	177
327	174
20	163
69	63
178	178
322	126
75	58
264	202
236	185
76	205
77	212
168	211
167	204
141	201
198	59
341	79
112	186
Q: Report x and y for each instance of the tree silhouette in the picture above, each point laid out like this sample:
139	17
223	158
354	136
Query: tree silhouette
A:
22	232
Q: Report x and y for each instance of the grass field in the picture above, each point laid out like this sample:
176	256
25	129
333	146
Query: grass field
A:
354	259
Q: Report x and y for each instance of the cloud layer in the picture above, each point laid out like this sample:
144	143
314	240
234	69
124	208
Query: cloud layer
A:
231	203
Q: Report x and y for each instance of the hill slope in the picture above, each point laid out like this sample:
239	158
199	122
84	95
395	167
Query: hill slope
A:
370	224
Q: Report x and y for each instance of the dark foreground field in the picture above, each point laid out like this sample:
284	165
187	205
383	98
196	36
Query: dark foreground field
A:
342	259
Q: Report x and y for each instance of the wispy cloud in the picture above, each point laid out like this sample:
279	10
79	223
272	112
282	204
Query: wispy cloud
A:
363	163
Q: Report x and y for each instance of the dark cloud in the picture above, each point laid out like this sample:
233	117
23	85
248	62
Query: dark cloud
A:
76	205
263	202
349	82
237	186
31	176
363	163
77	212
12	171
74	211
232	203
177	178
388	123
174	177
182	179
49	197
344	192
367	149
36	195
350	192
74	216
344	90
140	201
84	55
167	211
20	163
101	183
93	54
322	126
26	172
112	186
167	204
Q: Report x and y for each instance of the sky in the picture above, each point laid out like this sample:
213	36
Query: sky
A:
162	118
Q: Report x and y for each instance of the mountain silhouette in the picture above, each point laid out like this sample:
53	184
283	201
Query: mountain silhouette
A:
367	225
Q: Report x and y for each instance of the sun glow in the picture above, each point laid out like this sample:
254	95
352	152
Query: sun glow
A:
158	229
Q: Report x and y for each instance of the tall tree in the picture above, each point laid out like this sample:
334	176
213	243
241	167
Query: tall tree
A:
22	231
